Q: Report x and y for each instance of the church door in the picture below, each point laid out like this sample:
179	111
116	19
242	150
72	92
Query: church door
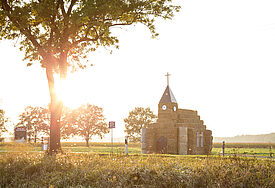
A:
162	145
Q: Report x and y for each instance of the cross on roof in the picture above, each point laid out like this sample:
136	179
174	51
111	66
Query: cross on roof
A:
168	78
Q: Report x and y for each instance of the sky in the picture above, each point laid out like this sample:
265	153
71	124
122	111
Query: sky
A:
220	55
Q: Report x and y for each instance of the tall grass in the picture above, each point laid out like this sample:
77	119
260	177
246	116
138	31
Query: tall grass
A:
84	170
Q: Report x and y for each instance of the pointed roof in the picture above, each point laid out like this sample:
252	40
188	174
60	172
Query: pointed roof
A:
168	96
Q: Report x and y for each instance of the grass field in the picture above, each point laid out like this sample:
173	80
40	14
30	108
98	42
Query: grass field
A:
21	165
134	148
245	151
74	147
92	170
244	145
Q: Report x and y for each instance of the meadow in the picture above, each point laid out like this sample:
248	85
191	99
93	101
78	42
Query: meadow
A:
33	169
25	165
243	149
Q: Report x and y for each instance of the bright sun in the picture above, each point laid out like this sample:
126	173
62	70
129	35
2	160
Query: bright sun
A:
69	91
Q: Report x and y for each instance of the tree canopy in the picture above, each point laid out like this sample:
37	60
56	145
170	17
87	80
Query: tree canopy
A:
89	121
61	32
37	121
137	119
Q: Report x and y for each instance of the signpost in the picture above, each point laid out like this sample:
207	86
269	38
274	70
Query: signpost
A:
223	147
112	125
44	143
126	145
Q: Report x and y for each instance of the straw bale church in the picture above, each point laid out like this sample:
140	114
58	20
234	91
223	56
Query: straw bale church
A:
176	131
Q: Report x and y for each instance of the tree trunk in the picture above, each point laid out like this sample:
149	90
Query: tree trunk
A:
87	142
56	111
35	136
29	137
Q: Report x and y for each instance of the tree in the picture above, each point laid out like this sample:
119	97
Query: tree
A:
37	120
3	120
68	127
90	121
137	119
58	33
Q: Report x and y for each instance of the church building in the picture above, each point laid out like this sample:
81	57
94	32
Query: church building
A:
176	131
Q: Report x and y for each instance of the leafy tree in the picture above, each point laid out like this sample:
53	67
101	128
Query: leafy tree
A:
90	121
3	120
58	33
37	120
137	119
67	126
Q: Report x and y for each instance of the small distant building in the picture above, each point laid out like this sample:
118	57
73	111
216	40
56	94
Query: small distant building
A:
20	134
177	131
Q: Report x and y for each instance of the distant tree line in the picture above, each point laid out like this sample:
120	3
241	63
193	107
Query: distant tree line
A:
85	121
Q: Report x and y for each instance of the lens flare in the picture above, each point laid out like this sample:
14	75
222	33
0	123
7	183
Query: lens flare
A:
69	91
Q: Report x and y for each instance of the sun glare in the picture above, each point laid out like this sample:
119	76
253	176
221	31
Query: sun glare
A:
69	91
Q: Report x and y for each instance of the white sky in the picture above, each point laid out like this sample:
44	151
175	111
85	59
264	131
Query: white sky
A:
220	54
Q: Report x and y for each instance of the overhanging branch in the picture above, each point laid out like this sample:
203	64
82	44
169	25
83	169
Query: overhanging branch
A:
84	39
71	7
61	3
24	30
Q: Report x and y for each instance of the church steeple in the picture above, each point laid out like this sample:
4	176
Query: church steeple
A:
168	103
168	95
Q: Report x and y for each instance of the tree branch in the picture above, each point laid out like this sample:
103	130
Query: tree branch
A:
71	7
23	30
87	32
84	39
5	6
53	27
120	24
51	35
61	3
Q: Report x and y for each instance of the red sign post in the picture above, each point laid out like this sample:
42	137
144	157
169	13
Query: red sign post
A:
112	125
